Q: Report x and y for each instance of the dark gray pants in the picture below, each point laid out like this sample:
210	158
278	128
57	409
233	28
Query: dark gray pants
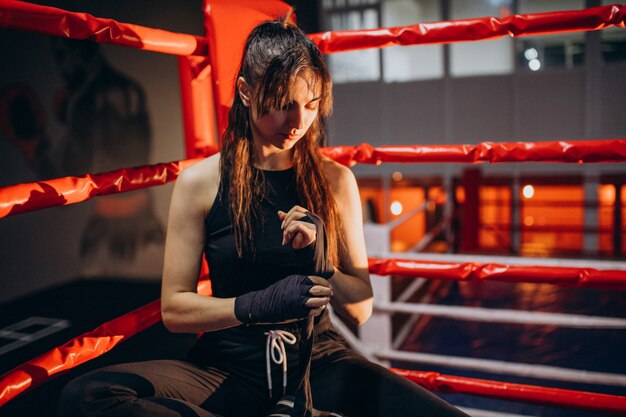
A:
341	381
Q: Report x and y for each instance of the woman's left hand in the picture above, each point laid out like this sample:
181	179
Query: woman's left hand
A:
300	234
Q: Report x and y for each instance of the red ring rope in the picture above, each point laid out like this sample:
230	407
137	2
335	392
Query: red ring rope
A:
472	29
22	198
591	401
578	151
474	271
57	22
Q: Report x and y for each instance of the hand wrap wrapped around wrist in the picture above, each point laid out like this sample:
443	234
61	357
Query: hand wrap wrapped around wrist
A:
322	266
284	300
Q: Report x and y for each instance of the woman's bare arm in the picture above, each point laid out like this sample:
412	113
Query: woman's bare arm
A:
353	297
182	308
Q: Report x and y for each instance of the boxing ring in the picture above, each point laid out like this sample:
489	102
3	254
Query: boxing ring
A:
204	68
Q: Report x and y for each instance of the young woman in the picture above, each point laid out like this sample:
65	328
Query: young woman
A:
281	229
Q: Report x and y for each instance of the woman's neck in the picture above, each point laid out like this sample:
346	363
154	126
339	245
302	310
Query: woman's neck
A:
272	159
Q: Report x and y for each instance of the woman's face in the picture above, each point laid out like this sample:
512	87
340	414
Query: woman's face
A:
281	129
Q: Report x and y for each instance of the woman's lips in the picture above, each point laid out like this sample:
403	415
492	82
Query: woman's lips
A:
292	136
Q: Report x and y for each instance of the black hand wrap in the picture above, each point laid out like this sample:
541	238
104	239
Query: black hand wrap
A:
322	266
283	300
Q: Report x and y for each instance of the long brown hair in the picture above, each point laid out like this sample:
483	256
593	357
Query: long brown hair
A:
275	54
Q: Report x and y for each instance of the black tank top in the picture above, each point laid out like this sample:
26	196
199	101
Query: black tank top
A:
232	276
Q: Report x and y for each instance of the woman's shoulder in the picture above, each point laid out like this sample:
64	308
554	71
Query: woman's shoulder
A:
200	181
340	177
202	173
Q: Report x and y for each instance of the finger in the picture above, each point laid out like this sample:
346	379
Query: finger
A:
308	227
298	241
315	302
302	227
316	311
320	291
282	215
296	208
308	234
315	280
296	214
292	217
300	211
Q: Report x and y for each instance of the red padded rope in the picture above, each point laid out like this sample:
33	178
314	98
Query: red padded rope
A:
472	29
578	151
66	24
591	401
474	271
22	198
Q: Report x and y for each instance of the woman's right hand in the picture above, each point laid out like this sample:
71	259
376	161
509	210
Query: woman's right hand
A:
292	298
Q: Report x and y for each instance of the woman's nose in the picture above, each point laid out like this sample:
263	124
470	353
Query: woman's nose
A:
296	118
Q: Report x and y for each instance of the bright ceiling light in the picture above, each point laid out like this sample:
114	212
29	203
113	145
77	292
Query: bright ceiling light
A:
528	191
396	208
